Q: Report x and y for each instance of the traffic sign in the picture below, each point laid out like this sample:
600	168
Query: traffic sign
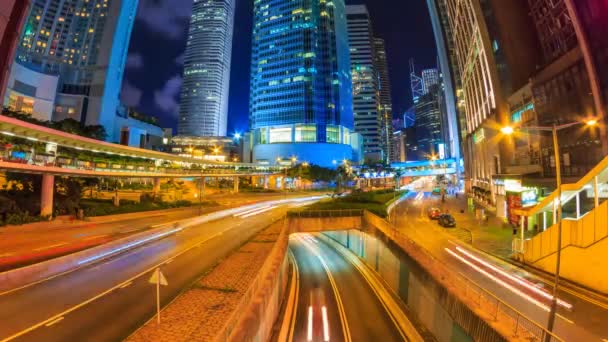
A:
158	278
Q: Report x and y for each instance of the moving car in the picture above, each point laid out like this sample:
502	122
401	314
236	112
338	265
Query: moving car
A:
446	220
434	213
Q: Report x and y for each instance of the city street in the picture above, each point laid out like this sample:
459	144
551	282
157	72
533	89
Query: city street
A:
335	302
109	300
20	245
580	318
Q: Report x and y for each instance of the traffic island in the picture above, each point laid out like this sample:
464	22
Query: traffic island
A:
225	304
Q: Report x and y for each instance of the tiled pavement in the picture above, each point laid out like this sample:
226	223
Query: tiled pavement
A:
200	312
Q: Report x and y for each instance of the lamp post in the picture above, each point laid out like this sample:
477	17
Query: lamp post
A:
508	130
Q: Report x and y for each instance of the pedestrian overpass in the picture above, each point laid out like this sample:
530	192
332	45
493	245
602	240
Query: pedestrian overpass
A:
428	167
584	226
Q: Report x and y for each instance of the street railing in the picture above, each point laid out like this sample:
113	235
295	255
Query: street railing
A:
325	213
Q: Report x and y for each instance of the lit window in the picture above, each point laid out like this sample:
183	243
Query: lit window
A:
280	135
306	133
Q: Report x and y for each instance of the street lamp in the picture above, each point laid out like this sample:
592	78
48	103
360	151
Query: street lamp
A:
508	130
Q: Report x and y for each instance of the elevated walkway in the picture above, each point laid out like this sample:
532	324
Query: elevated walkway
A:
584	242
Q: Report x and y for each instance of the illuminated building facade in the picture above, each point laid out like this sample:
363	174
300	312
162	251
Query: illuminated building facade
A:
203	109
85	42
301	96
386	104
366	95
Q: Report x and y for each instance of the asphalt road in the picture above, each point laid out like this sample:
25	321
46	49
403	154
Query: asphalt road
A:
109	300
15	241
584	321
330	283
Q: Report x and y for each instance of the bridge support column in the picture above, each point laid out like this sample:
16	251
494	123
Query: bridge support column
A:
46	197
236	184
283	182
266	182
116	199
156	187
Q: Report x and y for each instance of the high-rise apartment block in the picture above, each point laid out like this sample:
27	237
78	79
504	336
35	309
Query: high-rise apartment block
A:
203	109
85	43
301	96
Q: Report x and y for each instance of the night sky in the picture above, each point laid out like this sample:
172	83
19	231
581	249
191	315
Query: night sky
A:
154	66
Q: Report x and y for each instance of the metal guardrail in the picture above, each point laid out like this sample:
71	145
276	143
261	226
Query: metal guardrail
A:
325	213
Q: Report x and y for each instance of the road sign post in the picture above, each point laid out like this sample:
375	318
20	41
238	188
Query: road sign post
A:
159	279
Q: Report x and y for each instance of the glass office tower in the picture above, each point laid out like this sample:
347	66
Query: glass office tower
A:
301	96
203	107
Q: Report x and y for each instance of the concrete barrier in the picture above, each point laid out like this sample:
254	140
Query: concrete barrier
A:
257	311
23	276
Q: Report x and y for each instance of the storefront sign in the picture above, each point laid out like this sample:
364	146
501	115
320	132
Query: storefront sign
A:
529	197
513	185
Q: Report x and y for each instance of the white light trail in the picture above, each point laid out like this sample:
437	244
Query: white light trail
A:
325	324
310	323
518	280
259	211
129	245
498	281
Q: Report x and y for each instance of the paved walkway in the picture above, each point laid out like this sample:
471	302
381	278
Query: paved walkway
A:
201	312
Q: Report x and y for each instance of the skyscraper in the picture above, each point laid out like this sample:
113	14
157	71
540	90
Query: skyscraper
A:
428	125
85	42
203	108
301	96
366	101
450	76
386	104
14	13
430	77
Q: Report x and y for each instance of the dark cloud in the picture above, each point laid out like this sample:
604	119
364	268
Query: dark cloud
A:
166	98
166	17
135	61
130	95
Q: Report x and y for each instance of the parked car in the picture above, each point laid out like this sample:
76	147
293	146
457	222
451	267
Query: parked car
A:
446	220
434	213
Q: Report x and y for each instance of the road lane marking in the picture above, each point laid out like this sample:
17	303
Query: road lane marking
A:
51	246
291	312
55	321
309	332
315	251
374	286
325	324
78	306
126	284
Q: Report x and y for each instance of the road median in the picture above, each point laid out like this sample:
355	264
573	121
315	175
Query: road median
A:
238	300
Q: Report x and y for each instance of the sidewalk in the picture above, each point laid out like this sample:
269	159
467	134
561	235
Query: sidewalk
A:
492	235
201	312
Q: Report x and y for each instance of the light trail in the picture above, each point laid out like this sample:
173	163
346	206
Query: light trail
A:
259	212
518	280
325	324
250	211
127	246
498	281
310	323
